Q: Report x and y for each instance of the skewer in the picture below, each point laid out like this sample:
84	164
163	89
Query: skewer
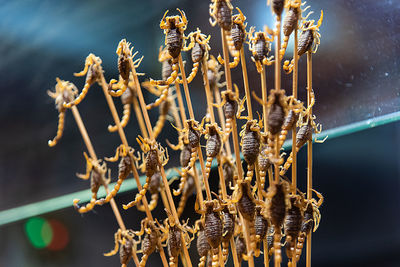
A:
246	84
162	171
139	118
309	150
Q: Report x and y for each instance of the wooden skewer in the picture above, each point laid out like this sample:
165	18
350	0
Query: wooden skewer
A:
309	150
246	84
191	114
226	61
139	118
264	97
162	171
124	141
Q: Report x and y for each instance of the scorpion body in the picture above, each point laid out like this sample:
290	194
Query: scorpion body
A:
250	146
261	228
292	226
213	145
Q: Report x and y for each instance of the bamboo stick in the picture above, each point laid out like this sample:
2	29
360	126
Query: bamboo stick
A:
162	171
246	84
139	118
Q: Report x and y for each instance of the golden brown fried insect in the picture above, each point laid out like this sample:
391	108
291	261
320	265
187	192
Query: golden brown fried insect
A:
174	233
124	53
263	160
187	191
124	168
155	186
127	248
309	40
170	68
154	156
291	21
290	121
250	145
241	248
260	45
212	226
93	70
214	136
65	92
228	170
229	218
261	228
150	241
292	225
200	48
277	200
203	247
311	220
189	136
277	6
236	38
221	13
213	74
96	171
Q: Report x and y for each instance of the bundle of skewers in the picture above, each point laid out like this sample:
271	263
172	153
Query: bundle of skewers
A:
257	208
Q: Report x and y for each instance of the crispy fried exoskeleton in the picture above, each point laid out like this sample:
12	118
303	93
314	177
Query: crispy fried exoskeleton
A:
292	225
124	168
277	6
241	248
213	136
170	68
155	186
277	200
212	221
127	247
260	45
65	92
200	48
228	220
174	233
311	220
250	145
127	99
261	229
236	38
150	240
291	21
92	70
189	138
203	247
309	40
221	13
124	56
96	172
290	121
154	155
213	74
263	160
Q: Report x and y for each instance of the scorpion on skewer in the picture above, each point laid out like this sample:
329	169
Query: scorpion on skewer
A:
150	241
221	13
260	46
124	240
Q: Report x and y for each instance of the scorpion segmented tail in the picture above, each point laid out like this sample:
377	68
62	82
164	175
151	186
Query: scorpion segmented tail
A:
173	262
162	98
299	245
124	120
152	205
228	125
138	196
192	74
215	257
208	167
111	194
185	170
81	96
287	164
171	78
277	246
202	261
120	90
60	129
288	66
285	42
182	204
250	172
225	250
143	260
88	206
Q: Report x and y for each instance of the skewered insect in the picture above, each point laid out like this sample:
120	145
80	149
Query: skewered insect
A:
213	74
154	156
213	145
263	160
189	136
309	40
241	248
311	220
124	240
155	186
228	170
187	191
96	171
221	13
127	98
175	234
236	38
169	69
199	46
124	168
293	223
93	72
212	226
277	6
150	240
277	200
290	121
260	45
291	21
203	247
250	145
261	229
124	57
228	221
65	92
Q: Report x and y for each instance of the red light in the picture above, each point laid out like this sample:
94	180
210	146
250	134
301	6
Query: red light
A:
60	236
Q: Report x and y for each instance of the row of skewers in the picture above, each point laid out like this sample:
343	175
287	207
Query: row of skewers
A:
244	212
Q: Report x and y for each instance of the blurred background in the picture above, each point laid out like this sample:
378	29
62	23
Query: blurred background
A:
356	77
